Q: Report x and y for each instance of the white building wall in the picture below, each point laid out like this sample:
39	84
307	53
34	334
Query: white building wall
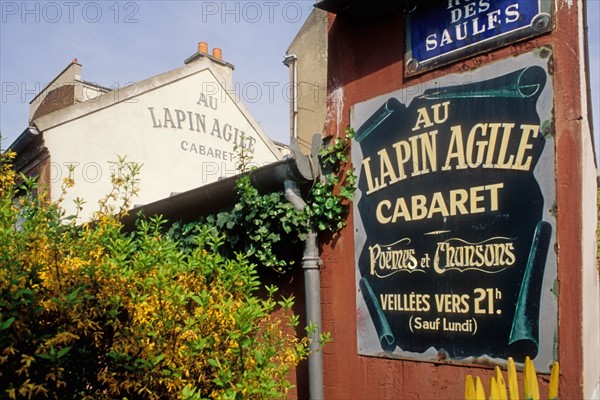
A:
158	127
590	314
591	282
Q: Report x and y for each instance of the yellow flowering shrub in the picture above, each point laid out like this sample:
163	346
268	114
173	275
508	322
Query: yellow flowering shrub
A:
90	311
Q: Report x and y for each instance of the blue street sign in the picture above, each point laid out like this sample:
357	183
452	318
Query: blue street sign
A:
444	31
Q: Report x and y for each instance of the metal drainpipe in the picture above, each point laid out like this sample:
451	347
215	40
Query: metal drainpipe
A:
312	289
291	60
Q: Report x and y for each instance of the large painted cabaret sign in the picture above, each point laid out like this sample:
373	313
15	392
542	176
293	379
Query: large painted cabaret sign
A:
455	217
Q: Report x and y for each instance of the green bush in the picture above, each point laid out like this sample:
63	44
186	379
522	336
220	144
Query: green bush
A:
92	312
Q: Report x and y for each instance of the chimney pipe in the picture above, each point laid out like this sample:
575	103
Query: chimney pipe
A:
217	53
202	47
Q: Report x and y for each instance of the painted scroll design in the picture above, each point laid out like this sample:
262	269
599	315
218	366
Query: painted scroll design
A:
386	337
524	334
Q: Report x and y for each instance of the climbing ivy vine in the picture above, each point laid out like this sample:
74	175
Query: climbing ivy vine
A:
327	208
267	227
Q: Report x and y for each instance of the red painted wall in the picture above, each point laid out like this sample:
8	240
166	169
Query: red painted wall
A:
366	61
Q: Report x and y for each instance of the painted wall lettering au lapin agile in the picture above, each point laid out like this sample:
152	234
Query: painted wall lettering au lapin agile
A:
199	122
485	144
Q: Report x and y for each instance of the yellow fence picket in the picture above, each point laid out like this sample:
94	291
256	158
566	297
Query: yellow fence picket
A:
469	388
497	386
530	384
479	392
513	383
501	384
553	387
494	389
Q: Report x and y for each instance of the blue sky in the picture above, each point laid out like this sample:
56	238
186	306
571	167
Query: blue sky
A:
123	42
127	41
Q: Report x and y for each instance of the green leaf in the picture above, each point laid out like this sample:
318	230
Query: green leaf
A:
6	324
63	352
158	359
